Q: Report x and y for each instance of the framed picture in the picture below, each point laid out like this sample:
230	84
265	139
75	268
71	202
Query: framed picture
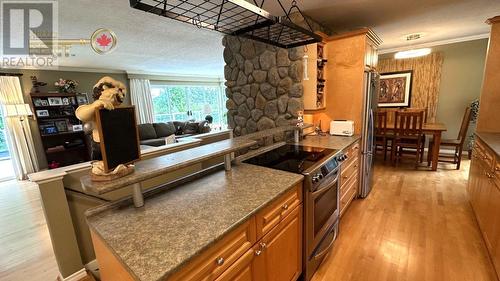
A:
54	101
37	102
44	102
77	128
395	89
82	99
72	100
61	125
65	101
48	129
42	113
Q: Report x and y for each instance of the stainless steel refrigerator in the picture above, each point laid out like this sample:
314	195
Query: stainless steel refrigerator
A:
371	82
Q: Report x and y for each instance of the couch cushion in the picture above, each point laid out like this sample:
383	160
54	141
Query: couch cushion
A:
191	128
179	127
146	131
164	129
153	142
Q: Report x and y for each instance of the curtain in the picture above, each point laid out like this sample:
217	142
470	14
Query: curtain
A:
140	94
18	132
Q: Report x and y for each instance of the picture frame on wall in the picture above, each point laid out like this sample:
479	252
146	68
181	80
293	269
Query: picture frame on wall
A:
82	99
55	101
395	89
42	113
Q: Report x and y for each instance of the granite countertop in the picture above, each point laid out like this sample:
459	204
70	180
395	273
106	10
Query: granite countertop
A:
492	140
157	166
176	225
328	141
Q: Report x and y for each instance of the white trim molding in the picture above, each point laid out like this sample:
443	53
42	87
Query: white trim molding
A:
435	43
77	276
174	78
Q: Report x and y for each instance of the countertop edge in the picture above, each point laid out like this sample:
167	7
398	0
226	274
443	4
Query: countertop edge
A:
485	141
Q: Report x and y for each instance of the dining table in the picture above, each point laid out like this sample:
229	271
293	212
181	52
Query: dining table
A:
435	129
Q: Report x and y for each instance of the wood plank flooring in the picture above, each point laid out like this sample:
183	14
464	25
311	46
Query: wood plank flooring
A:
415	225
25	247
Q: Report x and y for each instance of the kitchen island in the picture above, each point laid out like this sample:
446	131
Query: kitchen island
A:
176	225
218	226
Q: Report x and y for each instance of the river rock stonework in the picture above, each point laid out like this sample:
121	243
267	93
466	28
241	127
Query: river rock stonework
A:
264	84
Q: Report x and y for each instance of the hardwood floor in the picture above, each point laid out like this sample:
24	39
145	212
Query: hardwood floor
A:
415	225
25	247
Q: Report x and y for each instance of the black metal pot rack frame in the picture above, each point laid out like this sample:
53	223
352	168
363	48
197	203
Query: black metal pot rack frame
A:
235	17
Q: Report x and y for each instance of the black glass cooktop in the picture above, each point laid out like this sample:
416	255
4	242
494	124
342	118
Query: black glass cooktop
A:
292	158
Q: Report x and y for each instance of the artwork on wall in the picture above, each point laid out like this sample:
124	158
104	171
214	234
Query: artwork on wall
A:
395	89
82	99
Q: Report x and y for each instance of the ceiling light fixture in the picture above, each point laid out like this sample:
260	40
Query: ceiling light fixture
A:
412	53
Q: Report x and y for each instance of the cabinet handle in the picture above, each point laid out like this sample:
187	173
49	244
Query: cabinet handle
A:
497	169
263	246
285	207
219	261
258	252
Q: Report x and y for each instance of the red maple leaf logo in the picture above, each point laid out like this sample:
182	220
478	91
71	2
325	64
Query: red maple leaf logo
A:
103	40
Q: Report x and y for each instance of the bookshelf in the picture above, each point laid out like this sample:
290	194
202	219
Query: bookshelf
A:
63	139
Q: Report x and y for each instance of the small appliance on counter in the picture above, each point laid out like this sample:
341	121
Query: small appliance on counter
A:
342	128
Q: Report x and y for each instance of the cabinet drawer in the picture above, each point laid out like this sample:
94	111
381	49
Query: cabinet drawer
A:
352	152
347	184
349	195
348	171
270	216
212	263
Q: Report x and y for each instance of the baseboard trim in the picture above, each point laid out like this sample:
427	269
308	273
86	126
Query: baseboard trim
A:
77	276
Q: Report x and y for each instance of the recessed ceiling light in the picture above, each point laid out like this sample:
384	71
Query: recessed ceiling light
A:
412	53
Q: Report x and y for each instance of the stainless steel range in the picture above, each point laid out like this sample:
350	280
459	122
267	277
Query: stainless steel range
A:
321	168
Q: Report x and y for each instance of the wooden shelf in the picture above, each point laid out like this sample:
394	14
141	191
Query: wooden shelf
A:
59	134
49	95
67	149
56	117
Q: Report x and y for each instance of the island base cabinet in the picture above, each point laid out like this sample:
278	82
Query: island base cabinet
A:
244	269
280	251
240	256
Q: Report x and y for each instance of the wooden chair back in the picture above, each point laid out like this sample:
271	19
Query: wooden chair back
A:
380	123
408	124
413	109
465	125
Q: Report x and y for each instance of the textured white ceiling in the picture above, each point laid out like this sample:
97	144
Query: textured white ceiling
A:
149	43
393	19
146	43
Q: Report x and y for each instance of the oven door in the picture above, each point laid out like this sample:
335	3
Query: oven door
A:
322	210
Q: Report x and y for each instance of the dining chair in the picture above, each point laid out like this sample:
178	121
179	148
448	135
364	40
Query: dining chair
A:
382	136
457	143
408	138
415	109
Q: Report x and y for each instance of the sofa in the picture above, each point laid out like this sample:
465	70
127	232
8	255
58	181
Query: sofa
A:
154	134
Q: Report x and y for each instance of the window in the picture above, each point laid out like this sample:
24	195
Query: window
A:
175	102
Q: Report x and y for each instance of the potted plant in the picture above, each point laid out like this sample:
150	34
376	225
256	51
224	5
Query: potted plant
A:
67	86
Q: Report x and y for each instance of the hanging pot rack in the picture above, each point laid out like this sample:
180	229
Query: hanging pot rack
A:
235	17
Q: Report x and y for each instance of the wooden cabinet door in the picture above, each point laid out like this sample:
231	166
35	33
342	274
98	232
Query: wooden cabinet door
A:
280	251
241	270
494	235
473	185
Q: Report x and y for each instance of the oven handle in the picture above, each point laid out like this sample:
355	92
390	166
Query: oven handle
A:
329	186
325	251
